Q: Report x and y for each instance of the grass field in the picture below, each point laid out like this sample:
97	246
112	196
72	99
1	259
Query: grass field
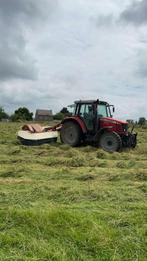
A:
71	204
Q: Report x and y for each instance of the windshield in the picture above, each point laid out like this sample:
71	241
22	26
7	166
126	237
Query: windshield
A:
103	111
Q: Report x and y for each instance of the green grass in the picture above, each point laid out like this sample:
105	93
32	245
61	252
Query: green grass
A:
71	204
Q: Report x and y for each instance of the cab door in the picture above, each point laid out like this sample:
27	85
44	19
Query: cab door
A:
86	112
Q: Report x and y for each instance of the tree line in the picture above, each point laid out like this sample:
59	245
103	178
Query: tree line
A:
20	114
23	114
141	121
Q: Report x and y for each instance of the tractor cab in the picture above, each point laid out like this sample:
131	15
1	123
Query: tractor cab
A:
91	111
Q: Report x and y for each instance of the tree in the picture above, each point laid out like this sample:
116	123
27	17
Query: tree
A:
62	114
65	111
130	121
142	121
59	116
22	114
3	114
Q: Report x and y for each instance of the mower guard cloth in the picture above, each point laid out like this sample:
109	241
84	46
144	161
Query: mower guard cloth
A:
36	128
33	128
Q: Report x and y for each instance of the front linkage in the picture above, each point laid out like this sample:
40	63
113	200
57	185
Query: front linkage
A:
130	139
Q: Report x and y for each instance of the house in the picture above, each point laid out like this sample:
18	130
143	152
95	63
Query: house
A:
5	120
43	115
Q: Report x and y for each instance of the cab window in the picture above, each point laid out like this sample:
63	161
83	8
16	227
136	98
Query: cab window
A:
102	111
86	110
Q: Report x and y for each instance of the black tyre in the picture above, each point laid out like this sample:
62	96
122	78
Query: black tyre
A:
110	141
70	134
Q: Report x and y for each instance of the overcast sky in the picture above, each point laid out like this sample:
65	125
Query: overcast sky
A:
53	52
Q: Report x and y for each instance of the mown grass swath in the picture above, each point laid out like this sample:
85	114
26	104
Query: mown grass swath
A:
63	203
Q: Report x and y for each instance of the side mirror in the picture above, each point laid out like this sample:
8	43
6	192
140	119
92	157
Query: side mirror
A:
113	109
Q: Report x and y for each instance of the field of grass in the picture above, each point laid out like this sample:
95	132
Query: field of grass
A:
71	204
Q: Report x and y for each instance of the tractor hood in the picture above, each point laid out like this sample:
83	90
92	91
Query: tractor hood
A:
112	120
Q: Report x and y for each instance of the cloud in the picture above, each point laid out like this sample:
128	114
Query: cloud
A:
104	20
55	52
18	19
135	13
17	95
142	63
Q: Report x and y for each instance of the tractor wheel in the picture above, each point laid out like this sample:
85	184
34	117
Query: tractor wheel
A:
110	141
70	134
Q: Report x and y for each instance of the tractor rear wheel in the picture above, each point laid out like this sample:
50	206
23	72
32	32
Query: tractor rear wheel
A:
70	134
110	141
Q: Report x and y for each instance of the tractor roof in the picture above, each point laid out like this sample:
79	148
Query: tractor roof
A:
91	101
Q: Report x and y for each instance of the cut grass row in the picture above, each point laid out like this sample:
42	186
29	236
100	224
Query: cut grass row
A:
61	203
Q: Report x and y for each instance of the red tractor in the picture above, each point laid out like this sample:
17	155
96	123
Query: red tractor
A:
92	123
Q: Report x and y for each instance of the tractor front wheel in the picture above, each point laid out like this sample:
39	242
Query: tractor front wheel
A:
70	134
110	141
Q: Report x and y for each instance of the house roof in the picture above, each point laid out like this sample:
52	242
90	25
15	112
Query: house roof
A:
44	112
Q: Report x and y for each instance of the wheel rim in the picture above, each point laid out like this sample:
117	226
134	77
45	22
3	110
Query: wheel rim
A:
109	143
69	134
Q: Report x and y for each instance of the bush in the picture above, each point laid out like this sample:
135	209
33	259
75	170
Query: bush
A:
22	114
3	114
58	116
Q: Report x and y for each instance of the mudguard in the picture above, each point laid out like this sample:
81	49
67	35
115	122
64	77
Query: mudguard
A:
78	121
